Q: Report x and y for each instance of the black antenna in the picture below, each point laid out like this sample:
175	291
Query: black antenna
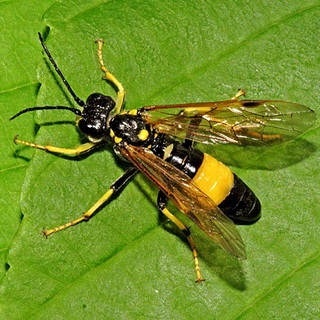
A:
75	97
74	110
64	80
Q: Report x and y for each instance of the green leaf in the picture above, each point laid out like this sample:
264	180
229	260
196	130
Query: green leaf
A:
19	87
125	263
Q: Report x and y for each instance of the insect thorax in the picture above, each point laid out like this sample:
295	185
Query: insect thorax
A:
131	129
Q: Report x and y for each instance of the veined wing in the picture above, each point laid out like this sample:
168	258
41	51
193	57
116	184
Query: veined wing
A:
188	198
242	122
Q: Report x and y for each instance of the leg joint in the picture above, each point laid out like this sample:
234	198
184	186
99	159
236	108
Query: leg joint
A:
186	232
162	201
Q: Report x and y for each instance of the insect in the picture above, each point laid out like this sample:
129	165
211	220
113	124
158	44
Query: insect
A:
158	141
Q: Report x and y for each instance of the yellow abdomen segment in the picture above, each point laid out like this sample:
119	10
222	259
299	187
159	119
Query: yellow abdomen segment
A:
214	179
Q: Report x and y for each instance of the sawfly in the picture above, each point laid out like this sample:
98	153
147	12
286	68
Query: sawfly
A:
158	141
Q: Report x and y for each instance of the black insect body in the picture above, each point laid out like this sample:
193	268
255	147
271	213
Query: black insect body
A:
95	116
158	142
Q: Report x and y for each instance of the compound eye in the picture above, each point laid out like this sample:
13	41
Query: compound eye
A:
95	116
93	128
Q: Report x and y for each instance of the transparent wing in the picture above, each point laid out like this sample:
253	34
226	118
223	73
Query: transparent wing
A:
242	122
188	198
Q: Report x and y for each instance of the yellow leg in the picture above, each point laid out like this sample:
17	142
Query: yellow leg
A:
240	93
85	217
110	77
73	152
115	188
186	232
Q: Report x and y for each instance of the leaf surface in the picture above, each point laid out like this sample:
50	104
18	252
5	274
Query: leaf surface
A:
125	263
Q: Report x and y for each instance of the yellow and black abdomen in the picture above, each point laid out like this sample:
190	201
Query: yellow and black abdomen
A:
229	192
214	179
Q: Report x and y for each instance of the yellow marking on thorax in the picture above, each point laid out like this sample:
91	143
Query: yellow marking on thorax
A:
133	112
214	179
113	136
117	140
167	151
143	135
